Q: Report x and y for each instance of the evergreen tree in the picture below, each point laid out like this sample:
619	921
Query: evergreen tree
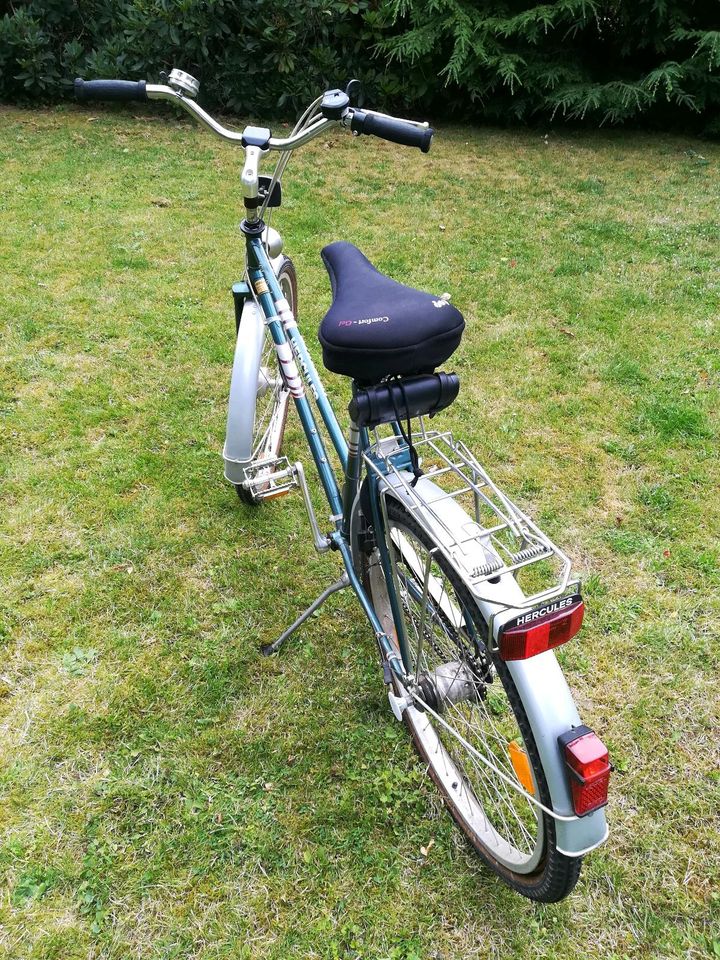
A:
597	61
608	61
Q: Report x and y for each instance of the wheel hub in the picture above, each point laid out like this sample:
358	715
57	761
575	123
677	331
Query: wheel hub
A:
267	380
450	683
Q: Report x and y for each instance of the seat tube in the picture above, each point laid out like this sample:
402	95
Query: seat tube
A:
352	476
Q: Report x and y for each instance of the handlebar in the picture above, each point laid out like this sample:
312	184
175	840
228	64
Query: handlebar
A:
404	132
110	90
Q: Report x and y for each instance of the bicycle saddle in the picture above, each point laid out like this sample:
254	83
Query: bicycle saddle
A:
377	327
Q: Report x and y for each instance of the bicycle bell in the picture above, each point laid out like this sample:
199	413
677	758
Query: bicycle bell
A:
183	83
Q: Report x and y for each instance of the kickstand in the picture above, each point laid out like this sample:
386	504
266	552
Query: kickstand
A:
340	584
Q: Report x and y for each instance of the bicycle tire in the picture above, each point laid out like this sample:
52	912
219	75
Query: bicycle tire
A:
552	877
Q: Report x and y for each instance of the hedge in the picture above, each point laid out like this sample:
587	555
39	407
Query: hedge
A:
596	62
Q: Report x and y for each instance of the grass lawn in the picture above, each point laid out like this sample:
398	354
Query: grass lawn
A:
166	792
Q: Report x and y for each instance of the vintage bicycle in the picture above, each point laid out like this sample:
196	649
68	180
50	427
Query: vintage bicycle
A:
466	596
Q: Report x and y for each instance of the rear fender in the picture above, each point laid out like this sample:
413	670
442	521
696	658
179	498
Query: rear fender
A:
540	683
551	711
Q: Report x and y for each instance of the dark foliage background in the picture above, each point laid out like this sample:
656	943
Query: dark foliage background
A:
592	61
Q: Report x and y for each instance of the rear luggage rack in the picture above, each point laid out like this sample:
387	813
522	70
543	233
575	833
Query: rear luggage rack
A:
500	539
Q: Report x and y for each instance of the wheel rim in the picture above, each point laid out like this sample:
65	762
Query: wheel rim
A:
498	818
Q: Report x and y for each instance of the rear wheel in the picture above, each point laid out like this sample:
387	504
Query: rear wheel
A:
271	407
474	694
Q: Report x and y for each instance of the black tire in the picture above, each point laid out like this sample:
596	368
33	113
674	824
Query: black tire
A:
554	875
287	278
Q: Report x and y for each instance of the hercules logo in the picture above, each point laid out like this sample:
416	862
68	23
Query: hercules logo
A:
544	611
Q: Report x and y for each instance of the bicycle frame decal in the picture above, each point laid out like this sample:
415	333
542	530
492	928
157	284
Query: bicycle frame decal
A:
289	370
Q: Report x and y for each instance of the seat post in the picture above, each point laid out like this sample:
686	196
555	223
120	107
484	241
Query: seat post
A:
352	473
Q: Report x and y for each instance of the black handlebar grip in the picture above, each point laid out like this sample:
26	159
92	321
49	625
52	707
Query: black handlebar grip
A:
388	128
110	90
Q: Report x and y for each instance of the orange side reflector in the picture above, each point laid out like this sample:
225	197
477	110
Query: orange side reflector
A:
521	766
275	494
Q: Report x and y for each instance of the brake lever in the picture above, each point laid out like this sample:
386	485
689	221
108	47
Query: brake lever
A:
354	92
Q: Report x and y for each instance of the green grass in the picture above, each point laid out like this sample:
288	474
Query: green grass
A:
166	792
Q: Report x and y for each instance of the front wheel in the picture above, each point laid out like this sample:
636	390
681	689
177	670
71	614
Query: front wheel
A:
475	696
271	406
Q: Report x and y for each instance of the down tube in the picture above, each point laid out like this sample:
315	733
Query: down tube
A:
298	344
258	279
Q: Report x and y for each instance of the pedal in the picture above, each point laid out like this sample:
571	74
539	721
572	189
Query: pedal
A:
274	478
268	479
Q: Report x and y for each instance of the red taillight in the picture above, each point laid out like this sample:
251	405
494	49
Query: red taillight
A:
588	764
536	632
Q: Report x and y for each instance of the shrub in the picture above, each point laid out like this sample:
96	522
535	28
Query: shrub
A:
599	60
586	60
252	56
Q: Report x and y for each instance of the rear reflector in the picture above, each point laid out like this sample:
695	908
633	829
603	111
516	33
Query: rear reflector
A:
588	764
537	631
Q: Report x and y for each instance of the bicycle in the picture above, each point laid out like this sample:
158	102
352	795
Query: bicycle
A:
466	596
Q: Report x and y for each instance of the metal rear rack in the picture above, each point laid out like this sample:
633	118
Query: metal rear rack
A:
500	539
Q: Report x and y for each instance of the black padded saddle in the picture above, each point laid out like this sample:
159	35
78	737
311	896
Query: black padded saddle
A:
377	327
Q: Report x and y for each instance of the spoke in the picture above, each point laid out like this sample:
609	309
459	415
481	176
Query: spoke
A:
264	411
484	774
498	808
500	757
442	630
504	799
501	738
421	631
406	603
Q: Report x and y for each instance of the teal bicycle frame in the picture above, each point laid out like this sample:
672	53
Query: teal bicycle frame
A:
350	453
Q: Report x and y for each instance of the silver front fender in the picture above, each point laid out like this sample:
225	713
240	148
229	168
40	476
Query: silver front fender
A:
237	451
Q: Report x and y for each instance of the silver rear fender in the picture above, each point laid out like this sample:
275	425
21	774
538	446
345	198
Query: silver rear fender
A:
551	711
539	681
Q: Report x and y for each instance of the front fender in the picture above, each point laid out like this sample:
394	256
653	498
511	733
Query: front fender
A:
237	451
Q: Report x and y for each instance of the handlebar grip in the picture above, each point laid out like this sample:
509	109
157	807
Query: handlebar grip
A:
110	90
388	128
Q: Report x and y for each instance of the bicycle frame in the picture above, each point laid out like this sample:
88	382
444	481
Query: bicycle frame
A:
546	696
291	351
